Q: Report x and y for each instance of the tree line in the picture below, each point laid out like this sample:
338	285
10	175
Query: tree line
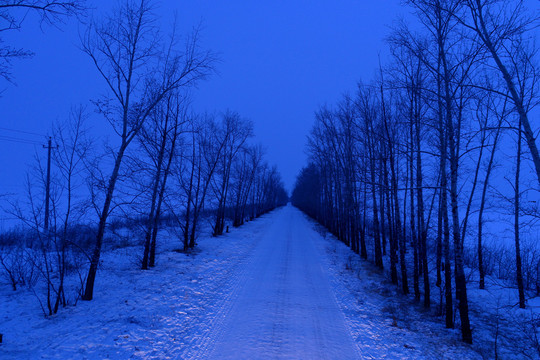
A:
163	165
416	161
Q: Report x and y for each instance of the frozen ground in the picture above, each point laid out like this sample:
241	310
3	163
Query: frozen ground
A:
274	288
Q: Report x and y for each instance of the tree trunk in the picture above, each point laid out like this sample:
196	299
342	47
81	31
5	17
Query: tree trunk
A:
481	210
517	195
376	225
422	231
161	195
400	239
414	237
391	230
461	284
96	254
363	249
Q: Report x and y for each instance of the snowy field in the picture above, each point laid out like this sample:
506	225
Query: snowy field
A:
275	288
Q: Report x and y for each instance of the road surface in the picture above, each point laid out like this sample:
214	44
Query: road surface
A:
283	305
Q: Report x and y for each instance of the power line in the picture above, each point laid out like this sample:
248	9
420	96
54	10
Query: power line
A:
19	140
21	131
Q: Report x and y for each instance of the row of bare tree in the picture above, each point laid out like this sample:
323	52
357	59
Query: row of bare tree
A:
161	164
403	165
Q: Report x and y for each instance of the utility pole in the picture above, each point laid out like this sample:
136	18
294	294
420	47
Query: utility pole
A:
47	184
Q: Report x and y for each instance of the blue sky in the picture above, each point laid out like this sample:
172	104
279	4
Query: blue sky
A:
280	60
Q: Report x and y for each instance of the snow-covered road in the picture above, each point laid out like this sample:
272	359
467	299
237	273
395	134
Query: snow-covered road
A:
283	306
275	288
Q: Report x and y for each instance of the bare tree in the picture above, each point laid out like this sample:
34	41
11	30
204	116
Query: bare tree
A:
139	71
207	146
48	254
235	131
502	28
159	140
73	147
246	172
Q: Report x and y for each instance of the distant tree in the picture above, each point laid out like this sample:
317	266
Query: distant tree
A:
51	246
307	191
235	131
203	158
159	139
246	171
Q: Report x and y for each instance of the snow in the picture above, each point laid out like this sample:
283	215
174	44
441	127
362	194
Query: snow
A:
384	323
274	288
155	314
282	306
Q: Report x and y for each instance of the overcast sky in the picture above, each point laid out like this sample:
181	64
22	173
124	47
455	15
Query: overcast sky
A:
280	60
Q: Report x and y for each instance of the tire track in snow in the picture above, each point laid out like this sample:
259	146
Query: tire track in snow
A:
285	309
241	278
222	291
311	234
237	278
